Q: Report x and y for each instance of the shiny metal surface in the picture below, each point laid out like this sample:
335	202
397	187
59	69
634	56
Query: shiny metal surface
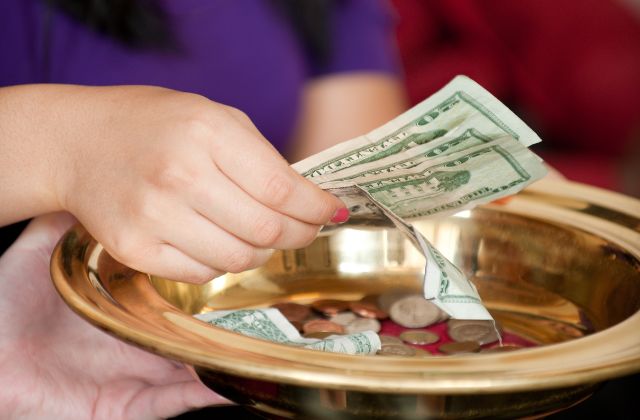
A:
559	264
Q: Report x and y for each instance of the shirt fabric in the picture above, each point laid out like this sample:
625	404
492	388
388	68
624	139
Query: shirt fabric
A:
242	53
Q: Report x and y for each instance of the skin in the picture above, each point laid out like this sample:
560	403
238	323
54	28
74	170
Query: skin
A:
171	184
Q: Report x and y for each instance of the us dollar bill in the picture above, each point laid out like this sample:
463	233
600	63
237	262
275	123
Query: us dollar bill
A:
457	149
459	106
269	324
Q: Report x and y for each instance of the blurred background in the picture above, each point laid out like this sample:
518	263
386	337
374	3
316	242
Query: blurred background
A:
569	68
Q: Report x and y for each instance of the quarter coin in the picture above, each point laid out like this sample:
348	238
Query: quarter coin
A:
343	318
362	324
480	331
397	350
414	312
419	337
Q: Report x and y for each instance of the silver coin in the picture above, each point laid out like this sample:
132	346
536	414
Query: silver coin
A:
397	350
362	324
480	331
414	312
419	337
343	318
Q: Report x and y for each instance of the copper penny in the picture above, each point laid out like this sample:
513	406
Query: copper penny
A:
322	325
397	350
389	339
414	312
321	335
460	347
367	310
480	331
297	325
419	337
330	306
293	311
362	324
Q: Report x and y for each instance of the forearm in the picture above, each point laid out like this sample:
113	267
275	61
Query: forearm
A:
33	128
339	107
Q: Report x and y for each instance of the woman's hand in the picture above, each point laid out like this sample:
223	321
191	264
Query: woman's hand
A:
170	183
55	365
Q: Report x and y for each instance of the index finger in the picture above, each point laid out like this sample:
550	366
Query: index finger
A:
252	164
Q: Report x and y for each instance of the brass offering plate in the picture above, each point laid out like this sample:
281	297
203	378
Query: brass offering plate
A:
558	264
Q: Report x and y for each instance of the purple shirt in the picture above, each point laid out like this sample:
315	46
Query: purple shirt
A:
237	52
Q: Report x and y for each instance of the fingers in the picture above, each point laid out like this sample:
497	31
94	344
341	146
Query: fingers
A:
213	246
226	205
191	249
263	174
165	260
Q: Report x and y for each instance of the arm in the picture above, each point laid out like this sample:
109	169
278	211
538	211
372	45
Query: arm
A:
338	107
170	183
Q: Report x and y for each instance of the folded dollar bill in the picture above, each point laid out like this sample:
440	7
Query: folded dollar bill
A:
457	149
269	324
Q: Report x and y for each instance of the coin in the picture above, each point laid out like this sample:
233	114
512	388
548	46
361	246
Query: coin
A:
367	310
330	306
297	325
389	339
500	349
414	312
343	318
362	324
397	350
322	325
480	331
293	311
321	335
459	347
419	337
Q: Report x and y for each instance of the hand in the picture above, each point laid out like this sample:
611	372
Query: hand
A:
175	185
55	365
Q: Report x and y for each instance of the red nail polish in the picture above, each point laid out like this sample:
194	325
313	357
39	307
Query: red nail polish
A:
341	215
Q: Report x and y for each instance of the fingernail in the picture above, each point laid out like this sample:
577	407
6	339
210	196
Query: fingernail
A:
341	215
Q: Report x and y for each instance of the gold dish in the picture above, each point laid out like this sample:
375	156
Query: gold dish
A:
558	264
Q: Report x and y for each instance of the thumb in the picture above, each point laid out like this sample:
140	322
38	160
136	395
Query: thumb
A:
43	232
170	400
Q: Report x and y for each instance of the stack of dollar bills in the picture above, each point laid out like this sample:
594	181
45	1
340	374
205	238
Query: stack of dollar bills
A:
457	149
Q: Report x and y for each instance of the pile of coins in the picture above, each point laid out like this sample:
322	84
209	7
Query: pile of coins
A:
408	325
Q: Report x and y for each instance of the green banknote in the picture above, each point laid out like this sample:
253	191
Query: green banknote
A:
455	150
269	324
460	106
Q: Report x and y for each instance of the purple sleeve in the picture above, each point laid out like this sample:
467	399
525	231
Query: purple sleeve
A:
362	38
